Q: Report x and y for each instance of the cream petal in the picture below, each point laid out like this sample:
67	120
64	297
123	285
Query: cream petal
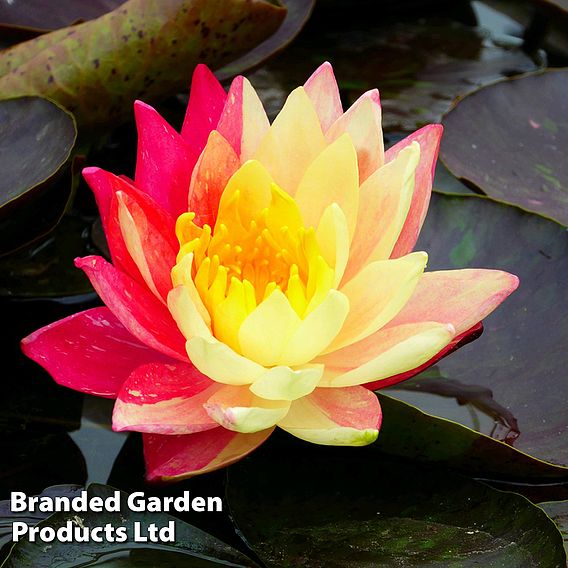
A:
377	294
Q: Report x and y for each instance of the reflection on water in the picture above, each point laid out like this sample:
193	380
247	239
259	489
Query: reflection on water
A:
471	405
99	444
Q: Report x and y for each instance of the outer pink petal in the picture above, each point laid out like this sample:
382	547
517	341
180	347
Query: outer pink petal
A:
324	94
105	185
217	163
137	308
152	248
173	458
164	161
466	337
460	297
206	101
429	139
90	351
164	399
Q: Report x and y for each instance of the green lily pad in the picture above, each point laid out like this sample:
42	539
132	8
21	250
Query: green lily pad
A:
409	432
510	384
36	140
299	505
299	12
46	269
558	512
42	16
143	49
190	542
511	139
419	68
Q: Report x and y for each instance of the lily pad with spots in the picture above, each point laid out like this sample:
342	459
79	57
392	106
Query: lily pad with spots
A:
143	49
511	140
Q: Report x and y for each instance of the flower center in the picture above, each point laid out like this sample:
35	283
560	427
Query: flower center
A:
258	245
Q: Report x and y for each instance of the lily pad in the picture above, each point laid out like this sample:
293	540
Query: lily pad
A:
409	432
419	68
202	548
558	512
36	140
42	16
516	371
511	140
318	507
299	12
143	49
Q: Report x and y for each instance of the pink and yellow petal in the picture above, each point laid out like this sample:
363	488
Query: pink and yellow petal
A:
239	410
141	313
332	177
363	124
349	416
76	351
322	90
146	244
215	166
429	139
174	458
384	202
243	122
164	399
377	294
387	352
294	139
460	297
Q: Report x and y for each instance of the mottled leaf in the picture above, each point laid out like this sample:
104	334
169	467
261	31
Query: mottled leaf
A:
319	507
510	384
202	548
298	14
36	140
143	49
511	140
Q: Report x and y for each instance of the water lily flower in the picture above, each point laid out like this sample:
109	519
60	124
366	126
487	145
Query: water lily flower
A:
261	275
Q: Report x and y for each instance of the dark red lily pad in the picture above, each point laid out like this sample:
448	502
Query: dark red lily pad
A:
36	140
299	12
43	16
419	68
143	49
510	384
511	140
